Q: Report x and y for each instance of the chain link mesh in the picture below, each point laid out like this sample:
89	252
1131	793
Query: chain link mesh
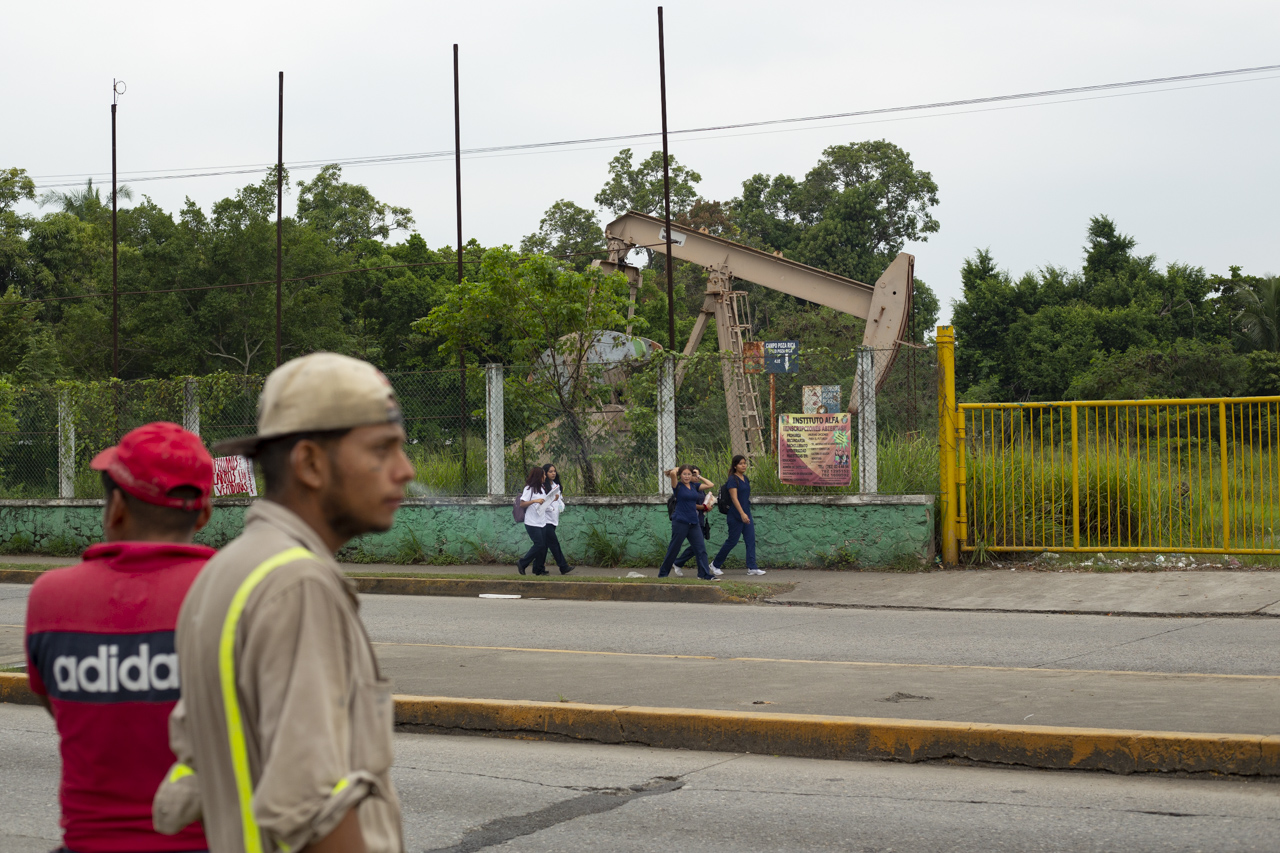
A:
610	435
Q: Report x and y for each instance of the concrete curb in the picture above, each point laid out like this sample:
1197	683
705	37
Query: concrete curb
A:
865	738
470	588
813	736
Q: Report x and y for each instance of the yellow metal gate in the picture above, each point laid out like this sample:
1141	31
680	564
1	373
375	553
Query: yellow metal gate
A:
1186	476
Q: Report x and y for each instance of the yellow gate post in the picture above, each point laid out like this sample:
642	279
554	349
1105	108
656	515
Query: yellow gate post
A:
947	415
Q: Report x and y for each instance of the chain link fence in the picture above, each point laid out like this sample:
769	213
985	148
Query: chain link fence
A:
609	429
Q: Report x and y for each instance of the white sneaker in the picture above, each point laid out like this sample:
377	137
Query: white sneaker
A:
714	570
675	570
755	571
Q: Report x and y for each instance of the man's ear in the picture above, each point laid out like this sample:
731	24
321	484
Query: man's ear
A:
115	516
203	519
310	464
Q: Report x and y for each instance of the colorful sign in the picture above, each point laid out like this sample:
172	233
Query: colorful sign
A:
815	450
233	475
820	399
781	356
753	356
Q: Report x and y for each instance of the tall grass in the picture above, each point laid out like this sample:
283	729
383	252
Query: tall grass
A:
1022	497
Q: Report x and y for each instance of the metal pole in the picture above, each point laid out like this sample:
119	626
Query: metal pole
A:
457	160
115	266
279	212
773	414
666	190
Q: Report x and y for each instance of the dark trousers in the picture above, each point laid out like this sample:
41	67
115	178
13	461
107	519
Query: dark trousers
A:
536	556
553	545
688	553
738	530
680	531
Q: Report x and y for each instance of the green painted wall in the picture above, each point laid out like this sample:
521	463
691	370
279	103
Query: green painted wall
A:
871	530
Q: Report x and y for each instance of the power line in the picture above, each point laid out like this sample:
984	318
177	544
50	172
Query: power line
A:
212	171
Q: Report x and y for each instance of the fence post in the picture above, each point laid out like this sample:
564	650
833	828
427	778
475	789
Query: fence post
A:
947	443
868	482
191	405
66	446
1226	480
666	413
495	436
1075	481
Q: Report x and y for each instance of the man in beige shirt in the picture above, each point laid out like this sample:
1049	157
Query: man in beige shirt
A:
284	730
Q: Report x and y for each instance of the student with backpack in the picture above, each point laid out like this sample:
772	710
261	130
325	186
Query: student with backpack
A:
735	503
684	521
529	509
704	519
552	508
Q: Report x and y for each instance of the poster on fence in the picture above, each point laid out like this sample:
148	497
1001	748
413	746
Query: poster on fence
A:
814	450
233	475
820	399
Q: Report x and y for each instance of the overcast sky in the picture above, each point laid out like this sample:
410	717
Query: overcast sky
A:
1192	173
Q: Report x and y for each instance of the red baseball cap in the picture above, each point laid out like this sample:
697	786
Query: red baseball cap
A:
157	457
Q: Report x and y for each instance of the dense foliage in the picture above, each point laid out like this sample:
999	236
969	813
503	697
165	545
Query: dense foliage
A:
1120	328
184	309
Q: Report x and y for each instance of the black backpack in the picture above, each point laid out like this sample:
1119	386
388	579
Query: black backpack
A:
723	499
671	506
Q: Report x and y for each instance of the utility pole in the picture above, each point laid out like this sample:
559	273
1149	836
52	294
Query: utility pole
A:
462	351
117	89
279	213
666	191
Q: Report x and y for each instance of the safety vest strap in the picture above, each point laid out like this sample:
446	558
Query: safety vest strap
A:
231	697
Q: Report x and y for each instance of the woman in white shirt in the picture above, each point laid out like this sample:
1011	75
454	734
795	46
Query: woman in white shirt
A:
533	499
552	509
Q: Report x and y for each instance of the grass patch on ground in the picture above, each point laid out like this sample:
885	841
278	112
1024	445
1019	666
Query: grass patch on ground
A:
736	589
18	668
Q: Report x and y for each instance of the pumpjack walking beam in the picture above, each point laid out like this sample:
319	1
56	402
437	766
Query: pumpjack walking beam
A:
886	305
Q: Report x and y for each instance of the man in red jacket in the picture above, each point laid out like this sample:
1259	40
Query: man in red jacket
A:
100	641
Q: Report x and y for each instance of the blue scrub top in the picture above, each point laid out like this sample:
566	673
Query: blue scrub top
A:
687	500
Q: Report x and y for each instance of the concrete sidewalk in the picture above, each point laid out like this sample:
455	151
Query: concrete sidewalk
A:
1169	593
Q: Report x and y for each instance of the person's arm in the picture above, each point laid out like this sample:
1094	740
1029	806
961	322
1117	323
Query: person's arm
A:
524	503
674	474
706	485
345	838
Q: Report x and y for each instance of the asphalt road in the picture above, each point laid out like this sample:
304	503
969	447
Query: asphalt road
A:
1150	644
1224	645
473	794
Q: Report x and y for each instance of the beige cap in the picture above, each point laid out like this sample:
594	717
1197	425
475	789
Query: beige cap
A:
317	392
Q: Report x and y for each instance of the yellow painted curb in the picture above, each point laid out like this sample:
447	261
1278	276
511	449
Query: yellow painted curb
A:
815	736
866	738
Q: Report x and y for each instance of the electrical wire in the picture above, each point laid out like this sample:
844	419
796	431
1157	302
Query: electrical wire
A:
141	176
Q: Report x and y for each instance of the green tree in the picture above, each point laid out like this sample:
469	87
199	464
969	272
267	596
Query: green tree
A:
568	232
1258	314
552	316
639	187
854	210
347	213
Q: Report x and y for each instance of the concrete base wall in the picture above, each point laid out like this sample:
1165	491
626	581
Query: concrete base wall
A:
871	530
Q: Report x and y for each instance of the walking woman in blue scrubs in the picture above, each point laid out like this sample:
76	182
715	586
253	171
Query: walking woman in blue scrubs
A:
684	521
738	514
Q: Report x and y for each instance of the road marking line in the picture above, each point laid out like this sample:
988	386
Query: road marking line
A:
842	662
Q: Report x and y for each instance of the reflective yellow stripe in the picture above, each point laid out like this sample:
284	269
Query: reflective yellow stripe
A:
231	698
342	783
180	771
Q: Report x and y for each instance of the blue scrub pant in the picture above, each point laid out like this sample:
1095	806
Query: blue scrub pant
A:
738	530
680	531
